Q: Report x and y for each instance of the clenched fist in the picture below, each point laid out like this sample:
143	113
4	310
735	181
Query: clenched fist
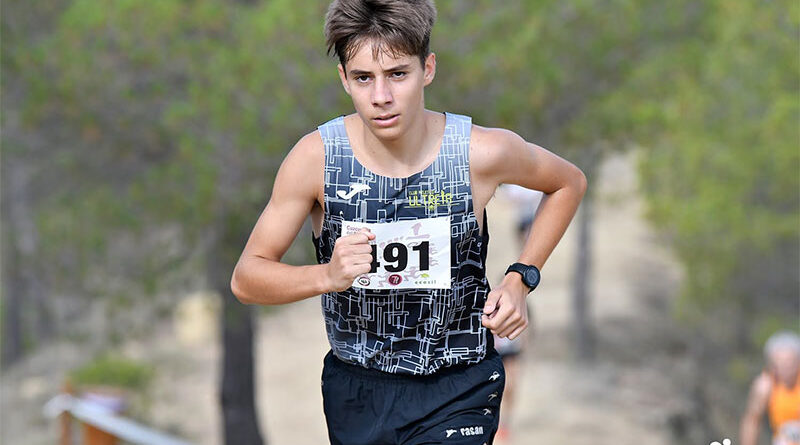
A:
505	311
352	256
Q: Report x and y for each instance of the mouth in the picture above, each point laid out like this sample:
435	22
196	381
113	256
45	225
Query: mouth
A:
385	120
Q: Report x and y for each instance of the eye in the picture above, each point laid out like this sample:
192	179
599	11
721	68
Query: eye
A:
399	74
362	79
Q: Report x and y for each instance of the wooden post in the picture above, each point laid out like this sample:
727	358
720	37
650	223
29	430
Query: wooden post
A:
94	436
66	418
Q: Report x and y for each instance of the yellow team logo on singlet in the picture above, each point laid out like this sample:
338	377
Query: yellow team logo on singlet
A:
429	198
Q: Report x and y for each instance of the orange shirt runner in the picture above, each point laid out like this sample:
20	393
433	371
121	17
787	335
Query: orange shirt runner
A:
784	403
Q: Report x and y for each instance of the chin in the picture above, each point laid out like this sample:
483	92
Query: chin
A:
388	133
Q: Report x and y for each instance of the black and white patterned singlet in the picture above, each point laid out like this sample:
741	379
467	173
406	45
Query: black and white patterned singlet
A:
406	331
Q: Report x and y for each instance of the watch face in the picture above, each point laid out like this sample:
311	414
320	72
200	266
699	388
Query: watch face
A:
532	277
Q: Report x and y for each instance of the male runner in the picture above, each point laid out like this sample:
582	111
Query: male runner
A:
396	195
776	392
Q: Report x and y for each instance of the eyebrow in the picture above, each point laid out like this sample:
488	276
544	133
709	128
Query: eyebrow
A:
402	67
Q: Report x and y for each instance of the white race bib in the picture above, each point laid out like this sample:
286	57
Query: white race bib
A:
407	254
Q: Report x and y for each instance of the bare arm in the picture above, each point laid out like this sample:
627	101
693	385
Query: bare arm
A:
259	277
503	157
509	159
756	406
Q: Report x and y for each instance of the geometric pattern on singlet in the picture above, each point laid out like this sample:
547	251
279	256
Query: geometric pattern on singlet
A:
407	331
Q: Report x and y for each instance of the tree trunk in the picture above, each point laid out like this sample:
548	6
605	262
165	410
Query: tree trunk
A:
240	419
12	287
20	241
581	299
237	391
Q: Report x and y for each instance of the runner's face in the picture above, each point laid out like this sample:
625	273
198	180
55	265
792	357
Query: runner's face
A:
387	91
786	364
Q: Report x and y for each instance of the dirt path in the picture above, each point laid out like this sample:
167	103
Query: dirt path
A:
618	400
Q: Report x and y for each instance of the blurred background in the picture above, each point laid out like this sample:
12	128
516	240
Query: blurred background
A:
140	139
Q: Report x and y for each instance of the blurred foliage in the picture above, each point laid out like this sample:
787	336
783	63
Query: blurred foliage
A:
708	94
541	67
163	100
721	165
152	114
108	370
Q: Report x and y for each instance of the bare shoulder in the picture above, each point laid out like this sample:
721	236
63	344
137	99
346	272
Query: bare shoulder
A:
488	144
302	169
759	395
500	156
308	148
762	386
489	147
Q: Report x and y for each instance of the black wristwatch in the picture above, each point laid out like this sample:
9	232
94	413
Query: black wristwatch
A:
530	274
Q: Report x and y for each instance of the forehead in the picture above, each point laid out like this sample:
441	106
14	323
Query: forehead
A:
785	356
372	54
785	352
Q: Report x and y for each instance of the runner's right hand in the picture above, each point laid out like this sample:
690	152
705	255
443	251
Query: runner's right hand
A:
352	256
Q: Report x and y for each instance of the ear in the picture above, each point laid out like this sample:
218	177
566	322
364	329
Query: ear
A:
430	68
343	78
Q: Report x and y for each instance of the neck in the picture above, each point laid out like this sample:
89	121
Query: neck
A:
794	380
789	381
405	151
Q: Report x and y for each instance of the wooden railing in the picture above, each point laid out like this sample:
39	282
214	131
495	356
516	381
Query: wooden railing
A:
101	425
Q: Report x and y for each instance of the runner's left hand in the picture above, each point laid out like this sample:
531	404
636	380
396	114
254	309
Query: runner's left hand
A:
505	312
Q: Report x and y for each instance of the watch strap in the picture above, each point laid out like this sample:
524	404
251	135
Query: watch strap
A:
521	268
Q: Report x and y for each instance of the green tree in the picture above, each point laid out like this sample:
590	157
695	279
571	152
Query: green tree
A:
168	113
716	113
547	69
720	171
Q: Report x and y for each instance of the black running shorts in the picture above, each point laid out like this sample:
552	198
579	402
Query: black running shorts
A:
457	405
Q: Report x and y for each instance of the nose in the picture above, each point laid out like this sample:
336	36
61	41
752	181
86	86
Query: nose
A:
381	93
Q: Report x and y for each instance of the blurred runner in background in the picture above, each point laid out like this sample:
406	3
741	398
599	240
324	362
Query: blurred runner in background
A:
776	392
526	202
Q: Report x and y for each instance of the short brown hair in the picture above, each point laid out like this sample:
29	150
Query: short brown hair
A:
398	27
